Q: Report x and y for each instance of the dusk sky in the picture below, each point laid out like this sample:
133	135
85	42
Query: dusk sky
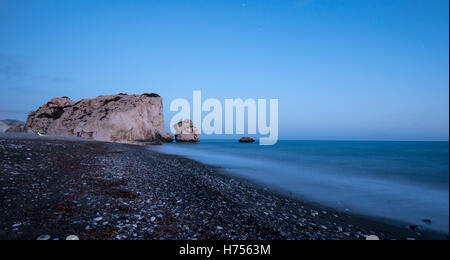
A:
349	70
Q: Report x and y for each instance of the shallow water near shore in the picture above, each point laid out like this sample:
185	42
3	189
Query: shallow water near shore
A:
402	181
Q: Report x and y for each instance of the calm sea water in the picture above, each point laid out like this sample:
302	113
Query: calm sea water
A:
405	182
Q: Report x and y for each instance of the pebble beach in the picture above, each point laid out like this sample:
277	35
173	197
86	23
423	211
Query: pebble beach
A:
55	188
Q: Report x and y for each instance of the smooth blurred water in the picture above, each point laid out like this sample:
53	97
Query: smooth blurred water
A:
402	181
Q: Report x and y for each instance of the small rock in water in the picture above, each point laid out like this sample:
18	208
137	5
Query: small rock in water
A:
246	140
152	219
372	238
428	221
72	237
44	237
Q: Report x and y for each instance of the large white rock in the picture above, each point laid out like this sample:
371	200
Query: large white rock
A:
186	132
115	118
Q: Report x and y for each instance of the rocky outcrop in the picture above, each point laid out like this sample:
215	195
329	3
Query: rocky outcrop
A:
18	128
168	138
246	140
3	127
11	126
115	118
186	132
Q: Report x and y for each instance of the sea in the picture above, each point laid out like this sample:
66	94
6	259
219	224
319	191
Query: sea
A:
403	183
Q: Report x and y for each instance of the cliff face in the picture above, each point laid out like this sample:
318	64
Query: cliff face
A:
116	118
11	126
3	127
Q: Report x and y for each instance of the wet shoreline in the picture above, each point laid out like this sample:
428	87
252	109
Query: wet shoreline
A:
67	186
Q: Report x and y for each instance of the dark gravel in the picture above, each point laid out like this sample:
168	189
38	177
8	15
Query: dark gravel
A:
60	187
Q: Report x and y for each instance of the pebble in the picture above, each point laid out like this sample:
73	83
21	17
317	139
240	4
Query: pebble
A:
72	237
43	237
372	237
98	219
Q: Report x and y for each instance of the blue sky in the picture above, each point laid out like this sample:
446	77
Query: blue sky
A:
371	70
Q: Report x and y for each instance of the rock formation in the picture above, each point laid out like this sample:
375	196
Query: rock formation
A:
115	118
186	132
11	126
3	127
246	140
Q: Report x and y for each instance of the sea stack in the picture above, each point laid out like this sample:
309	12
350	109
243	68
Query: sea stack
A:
118	118
186	132
246	140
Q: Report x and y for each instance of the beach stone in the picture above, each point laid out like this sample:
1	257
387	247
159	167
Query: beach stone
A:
72	237
186	132
121	118
246	140
372	237
44	237
98	219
